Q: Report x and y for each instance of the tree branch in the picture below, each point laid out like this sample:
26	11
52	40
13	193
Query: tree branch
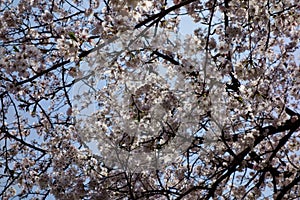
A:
163	13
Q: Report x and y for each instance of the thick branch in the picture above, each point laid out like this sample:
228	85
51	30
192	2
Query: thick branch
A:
264	132
288	187
158	16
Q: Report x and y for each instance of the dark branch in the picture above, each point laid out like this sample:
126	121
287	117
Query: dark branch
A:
163	13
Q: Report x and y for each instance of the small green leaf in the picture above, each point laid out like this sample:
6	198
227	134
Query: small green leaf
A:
16	49
240	99
72	36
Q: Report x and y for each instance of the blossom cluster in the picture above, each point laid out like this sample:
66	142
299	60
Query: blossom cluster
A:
108	100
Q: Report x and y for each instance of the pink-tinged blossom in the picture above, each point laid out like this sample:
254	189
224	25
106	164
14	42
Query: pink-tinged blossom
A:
109	100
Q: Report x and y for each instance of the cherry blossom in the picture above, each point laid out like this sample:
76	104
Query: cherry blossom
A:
110	100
